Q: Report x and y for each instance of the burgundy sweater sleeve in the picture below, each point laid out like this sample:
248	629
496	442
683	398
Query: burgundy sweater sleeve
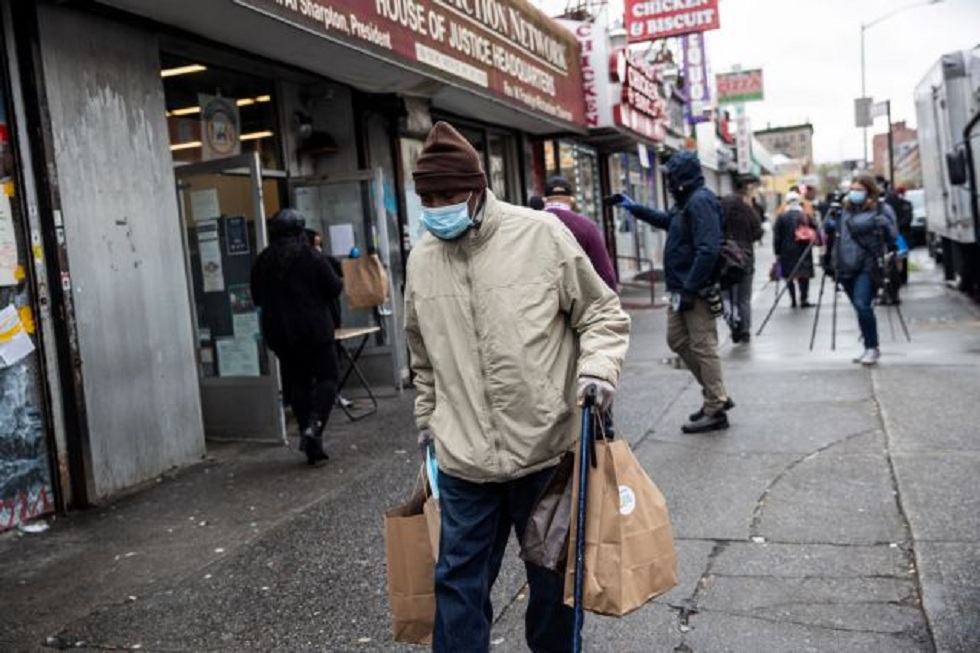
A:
595	249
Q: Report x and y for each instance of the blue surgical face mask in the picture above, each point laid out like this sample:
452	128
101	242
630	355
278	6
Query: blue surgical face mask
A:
448	222
857	197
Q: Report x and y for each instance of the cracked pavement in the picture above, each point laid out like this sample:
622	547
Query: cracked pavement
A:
839	512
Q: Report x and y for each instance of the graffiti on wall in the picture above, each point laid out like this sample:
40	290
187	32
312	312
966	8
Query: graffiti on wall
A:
25	480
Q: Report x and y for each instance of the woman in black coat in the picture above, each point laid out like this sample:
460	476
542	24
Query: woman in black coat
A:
790	249
294	286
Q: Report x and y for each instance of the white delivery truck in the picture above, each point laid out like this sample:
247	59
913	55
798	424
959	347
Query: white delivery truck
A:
947	105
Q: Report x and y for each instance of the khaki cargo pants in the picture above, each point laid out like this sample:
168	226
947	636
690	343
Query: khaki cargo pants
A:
693	336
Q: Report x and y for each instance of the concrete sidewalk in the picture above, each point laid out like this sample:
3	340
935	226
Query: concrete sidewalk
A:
840	512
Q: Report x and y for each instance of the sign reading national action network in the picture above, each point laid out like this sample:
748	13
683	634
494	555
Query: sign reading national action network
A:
649	20
741	86
504	47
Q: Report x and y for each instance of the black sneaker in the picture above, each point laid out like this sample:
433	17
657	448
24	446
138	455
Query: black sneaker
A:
729	404
706	423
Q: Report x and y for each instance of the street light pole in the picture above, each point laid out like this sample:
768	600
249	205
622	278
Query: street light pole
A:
864	28
864	130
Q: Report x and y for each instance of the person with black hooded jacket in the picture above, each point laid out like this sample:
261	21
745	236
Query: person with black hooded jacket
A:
694	234
294	286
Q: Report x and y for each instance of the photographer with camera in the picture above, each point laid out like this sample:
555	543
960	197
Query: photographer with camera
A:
694	235
861	237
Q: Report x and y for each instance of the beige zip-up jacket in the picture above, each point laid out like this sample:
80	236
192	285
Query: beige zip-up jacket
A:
500	324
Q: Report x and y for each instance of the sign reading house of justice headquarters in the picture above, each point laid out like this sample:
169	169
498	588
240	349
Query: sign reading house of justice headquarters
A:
504	46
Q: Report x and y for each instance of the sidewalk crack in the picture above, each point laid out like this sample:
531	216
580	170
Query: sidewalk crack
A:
756	523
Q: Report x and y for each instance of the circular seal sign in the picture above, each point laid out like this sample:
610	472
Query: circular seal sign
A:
627	500
220	118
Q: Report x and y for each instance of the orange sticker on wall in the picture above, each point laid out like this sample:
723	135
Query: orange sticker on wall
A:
8	188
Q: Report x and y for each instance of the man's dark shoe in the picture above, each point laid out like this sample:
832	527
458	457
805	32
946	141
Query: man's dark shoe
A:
695	416
312	445
707	423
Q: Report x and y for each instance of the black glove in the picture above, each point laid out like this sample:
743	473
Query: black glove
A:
618	199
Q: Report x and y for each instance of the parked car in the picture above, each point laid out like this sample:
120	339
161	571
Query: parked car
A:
917	197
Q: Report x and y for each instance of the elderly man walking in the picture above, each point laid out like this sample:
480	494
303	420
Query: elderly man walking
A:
507	324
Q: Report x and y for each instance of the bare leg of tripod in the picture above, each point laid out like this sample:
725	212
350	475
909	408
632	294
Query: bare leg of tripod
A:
816	314
901	320
891	324
789	280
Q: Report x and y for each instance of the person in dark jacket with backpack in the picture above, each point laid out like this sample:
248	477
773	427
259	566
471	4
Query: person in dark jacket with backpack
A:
694	234
294	286
743	226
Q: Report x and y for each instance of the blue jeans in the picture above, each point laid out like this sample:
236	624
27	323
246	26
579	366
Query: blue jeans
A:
860	290
476	524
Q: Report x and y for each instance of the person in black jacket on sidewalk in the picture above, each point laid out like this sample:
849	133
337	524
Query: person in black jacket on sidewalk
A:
694	227
294	286
744	226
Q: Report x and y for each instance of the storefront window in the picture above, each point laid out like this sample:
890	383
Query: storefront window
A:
579	164
639	245
25	470
215	113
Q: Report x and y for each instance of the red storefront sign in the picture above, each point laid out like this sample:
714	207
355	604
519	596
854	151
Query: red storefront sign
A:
641	108
505	47
649	20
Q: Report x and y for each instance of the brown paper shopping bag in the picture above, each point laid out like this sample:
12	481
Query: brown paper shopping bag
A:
629	544
411	571
365	281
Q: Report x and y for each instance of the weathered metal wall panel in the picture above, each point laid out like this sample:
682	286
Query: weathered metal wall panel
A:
121	225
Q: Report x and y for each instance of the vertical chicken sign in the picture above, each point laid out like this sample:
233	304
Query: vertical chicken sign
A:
650	20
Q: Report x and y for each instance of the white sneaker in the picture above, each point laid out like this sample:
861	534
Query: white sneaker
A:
860	357
871	357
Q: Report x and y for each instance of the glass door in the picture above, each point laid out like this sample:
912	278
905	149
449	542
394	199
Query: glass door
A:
223	207
346	210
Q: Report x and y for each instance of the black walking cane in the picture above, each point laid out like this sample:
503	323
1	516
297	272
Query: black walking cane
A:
584	459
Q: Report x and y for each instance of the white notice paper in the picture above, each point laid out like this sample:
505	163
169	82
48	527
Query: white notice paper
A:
15	344
209	249
205	204
246	325
237	357
8	243
341	239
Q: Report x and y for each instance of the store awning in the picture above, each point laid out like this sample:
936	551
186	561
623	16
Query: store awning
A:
616	139
530	81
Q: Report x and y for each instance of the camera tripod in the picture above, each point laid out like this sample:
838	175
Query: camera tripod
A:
887	288
789	278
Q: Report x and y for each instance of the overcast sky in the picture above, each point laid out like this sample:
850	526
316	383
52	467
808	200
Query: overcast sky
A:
810	53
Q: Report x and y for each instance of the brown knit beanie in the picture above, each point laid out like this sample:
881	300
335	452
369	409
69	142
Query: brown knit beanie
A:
448	163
